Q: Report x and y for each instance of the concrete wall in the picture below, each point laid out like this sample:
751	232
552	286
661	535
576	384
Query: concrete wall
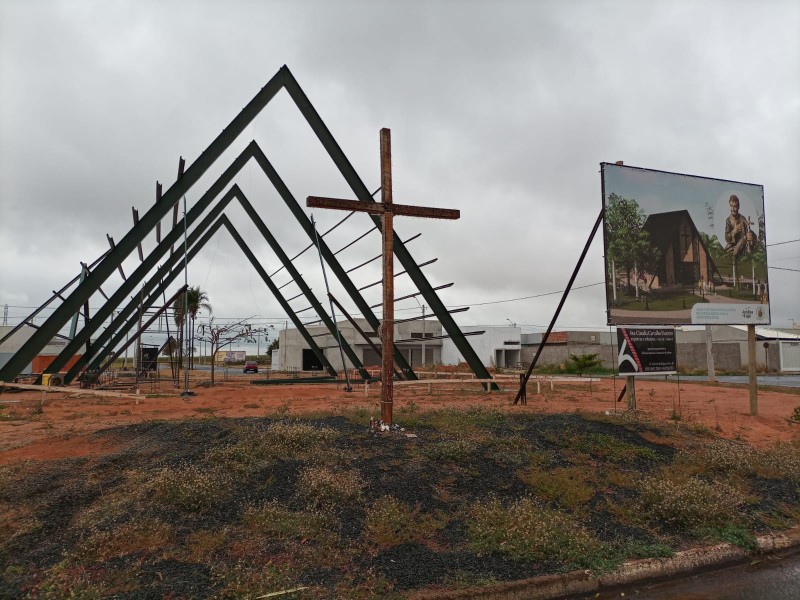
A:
497	344
508	347
558	354
292	343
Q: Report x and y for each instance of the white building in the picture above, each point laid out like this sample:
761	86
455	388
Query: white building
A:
495	347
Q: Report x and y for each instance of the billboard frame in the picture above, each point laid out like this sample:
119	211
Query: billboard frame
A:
697	269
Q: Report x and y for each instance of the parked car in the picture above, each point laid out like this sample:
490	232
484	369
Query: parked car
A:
250	366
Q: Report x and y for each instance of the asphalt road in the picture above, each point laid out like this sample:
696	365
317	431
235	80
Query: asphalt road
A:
772	577
777	380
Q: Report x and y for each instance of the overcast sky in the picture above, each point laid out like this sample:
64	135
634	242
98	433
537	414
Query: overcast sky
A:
503	110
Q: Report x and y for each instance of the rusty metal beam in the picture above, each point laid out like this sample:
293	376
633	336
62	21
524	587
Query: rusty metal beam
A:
359	238
119	265
304	250
427	262
361	332
420	317
176	206
407	296
364	264
158	224
136	223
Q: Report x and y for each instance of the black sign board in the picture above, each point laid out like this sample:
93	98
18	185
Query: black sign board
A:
149	358
644	350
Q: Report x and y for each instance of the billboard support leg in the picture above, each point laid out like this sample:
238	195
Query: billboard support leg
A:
712	375
751	369
524	379
630	384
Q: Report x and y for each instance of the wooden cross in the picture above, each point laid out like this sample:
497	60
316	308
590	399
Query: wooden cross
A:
386	209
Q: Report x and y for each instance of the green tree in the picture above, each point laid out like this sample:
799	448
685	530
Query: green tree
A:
582	363
195	300
713	245
629	244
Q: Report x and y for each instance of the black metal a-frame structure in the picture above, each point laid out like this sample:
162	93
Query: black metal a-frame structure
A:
122	309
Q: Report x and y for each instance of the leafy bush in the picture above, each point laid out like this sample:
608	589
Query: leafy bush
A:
584	363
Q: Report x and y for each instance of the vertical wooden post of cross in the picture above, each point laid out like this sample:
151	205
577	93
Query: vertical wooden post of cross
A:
387	335
386	209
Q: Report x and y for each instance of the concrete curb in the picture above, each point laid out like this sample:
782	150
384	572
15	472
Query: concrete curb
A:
682	563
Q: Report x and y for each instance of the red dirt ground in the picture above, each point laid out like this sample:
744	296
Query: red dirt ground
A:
35	425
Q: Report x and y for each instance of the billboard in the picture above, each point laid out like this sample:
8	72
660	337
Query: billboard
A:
641	351
234	356
683	250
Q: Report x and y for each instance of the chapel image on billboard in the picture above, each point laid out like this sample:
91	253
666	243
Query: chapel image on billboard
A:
683	250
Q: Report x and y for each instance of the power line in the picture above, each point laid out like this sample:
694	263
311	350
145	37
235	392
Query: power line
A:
577	287
781	243
785	269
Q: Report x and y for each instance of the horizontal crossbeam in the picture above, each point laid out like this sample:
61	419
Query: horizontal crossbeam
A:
379	208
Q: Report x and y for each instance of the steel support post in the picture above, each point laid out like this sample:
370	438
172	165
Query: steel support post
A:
560	305
751	369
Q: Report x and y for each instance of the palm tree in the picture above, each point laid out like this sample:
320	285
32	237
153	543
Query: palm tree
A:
195	300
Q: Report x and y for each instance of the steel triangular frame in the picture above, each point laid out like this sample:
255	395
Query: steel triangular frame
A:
166	274
152	218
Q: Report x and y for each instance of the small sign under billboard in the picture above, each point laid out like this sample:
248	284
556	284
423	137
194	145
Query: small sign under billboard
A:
646	350
683	250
